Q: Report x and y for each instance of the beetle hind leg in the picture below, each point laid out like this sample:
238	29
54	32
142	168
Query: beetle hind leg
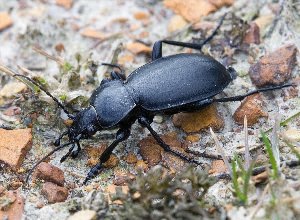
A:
241	97
157	47
146	123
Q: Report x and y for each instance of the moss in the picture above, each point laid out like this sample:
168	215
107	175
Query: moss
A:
158	195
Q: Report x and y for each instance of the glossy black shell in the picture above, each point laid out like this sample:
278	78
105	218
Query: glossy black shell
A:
176	80
166	83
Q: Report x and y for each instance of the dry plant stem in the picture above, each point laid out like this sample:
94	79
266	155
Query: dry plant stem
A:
57	59
10	72
221	151
247	150
110	37
7	70
258	170
206	155
277	18
262	197
290	199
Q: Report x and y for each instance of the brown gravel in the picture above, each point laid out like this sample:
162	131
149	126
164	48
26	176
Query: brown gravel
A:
13	210
92	33
123	179
141	165
84	215
197	121
65	3
252	108
173	162
5	20
13	110
193	10
274	68
138	48
49	173
2	190
192	138
150	151
131	158
54	193
261	178
154	153
217	167
94	154
140	15
252	35
14	145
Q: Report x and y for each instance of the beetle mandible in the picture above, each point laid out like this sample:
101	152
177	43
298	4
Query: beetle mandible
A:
166	85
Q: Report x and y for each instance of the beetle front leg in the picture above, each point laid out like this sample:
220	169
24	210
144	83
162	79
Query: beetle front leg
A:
146	123
122	135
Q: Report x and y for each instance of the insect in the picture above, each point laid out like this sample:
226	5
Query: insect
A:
166	85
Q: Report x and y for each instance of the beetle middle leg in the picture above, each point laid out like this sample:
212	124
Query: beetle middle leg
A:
122	135
146	123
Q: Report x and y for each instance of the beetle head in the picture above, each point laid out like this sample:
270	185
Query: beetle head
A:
85	124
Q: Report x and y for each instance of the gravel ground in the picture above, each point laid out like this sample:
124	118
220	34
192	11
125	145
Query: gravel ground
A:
103	32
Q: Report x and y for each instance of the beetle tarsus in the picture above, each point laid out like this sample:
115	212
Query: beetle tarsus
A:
93	172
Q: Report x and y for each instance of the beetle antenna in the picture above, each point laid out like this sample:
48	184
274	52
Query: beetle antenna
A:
48	93
113	65
44	158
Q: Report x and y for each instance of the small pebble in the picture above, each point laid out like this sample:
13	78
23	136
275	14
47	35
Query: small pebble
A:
5	20
54	193
197	121
15	206
274	68
252	108
84	215
218	167
49	173
67	4
138	48
14	145
252	35
131	158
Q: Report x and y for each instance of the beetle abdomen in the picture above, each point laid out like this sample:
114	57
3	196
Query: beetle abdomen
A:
177	80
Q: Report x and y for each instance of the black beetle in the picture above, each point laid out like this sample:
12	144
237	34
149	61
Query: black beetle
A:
167	85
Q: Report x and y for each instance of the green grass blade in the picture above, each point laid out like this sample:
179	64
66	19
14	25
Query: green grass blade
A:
267	143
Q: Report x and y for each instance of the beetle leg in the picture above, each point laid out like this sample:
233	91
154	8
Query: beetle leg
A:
122	135
67	154
145	122
117	76
57	141
157	47
241	97
75	152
